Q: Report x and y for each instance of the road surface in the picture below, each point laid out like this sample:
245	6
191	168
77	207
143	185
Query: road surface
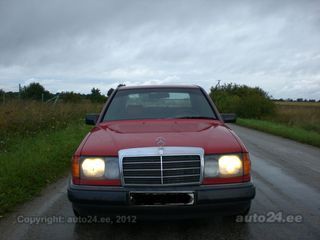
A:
287	179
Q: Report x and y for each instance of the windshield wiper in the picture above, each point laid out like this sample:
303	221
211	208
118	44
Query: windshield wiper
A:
195	117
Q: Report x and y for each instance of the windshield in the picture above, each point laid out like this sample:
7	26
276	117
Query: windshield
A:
130	104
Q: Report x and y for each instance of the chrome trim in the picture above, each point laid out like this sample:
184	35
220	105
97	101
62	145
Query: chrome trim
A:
143	177
173	176
162	185
169	169
161	151
183	160
161	167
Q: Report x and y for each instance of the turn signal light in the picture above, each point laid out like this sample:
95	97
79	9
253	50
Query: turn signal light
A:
75	169
246	167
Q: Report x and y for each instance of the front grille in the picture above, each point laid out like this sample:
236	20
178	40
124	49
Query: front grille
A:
162	170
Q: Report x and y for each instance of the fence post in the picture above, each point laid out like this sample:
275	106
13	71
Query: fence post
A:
19	91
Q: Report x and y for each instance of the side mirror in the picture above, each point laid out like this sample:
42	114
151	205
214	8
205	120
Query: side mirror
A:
91	118
229	117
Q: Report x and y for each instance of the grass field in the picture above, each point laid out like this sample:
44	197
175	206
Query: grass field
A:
298	114
299	121
295	133
27	118
307	104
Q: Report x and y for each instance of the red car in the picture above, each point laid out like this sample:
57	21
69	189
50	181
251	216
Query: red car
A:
160	151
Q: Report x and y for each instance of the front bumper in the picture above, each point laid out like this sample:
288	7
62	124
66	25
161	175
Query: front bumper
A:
224	199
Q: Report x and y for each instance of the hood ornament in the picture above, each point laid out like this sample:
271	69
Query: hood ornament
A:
160	141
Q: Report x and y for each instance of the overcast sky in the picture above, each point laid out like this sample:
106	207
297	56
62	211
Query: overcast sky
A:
80	44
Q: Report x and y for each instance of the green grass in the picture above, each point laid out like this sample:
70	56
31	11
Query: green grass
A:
31	163
295	133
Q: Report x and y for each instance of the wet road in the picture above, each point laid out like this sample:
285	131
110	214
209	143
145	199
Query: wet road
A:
287	179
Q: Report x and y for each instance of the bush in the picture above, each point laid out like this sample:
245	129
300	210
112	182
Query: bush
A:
245	101
71	97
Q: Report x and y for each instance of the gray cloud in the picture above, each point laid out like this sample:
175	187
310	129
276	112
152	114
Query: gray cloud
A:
77	45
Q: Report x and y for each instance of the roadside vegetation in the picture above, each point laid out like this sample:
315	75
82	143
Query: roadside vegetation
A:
30	163
20	119
246	102
38	138
291	132
299	121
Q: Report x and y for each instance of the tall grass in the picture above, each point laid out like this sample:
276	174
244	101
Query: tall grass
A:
36	144
303	115
27	118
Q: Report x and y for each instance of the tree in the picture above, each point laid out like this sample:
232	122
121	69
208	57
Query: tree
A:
245	101
96	95
35	91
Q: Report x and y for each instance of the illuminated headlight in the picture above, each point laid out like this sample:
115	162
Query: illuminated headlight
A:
230	165
93	167
101	168
222	166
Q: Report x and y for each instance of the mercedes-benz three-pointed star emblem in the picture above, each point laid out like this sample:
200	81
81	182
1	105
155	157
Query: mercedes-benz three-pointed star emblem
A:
160	141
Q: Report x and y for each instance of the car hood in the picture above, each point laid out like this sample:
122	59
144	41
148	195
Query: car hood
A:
108	138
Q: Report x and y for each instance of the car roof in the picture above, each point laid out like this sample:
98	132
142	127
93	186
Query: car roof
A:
158	86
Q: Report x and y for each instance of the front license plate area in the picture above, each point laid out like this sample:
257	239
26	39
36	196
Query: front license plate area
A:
161	198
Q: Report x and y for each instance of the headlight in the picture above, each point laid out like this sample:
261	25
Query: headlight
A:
230	165
222	166
112	168
211	168
102	168
93	167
